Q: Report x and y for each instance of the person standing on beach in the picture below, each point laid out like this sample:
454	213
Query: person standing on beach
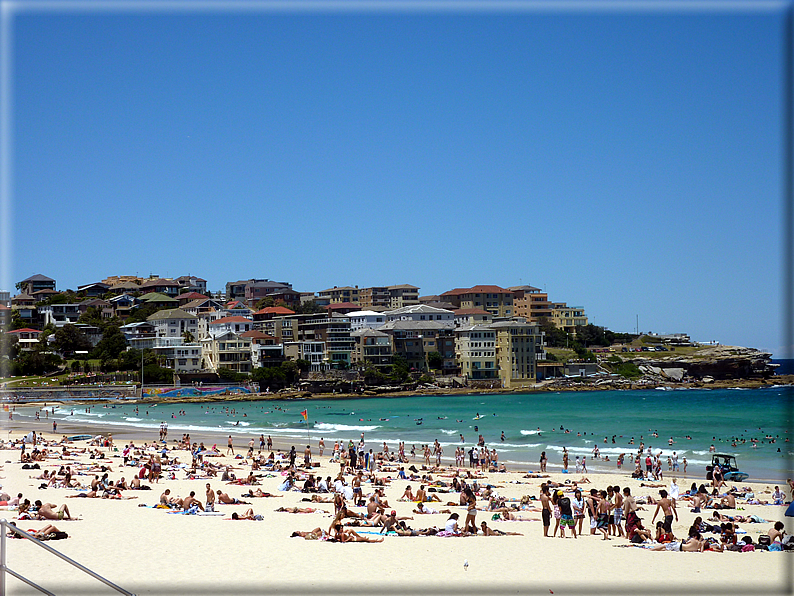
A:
307	457
617	510
471	510
321	446
630	507
261	443
564	460
269	443
602	518
229	446
545	504
543	461
578	504
592	509
668	508
566	514
210	498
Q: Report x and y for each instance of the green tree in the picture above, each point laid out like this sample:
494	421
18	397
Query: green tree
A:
273	377
291	371
140	314
70	339
67	297
399	370
16	321
435	361
265	302
111	345
555	337
92	316
36	363
188	337
303	365
309	307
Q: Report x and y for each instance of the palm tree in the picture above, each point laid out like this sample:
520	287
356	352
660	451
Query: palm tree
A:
188	337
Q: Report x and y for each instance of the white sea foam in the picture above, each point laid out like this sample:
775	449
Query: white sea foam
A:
343	427
449	432
529	432
133	419
238	423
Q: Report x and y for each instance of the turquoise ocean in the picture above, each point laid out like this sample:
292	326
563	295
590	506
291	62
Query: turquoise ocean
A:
531	423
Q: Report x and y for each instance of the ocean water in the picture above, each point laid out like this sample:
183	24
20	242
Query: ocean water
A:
531	423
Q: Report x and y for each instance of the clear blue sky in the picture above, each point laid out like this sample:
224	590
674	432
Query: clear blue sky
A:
625	162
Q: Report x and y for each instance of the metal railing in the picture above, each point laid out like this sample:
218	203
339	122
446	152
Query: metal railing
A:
4	526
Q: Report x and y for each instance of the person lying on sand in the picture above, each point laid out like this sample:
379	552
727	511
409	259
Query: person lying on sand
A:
343	534
299	510
494	532
227	500
46	511
315	499
259	493
421	508
249	514
315	534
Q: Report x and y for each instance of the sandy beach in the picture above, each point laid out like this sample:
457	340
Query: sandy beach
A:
151	551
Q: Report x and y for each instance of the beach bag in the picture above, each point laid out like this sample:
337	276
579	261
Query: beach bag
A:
775	546
764	540
748	547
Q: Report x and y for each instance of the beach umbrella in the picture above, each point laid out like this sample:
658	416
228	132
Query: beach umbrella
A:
790	510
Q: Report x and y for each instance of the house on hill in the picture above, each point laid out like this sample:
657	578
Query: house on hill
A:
37	282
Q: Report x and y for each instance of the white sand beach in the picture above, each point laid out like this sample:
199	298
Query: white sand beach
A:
151	551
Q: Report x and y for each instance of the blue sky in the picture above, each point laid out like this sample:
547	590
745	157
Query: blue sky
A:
625	162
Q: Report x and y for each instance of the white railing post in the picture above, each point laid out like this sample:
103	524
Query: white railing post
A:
3	556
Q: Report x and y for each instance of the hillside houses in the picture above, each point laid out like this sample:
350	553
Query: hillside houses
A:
484	332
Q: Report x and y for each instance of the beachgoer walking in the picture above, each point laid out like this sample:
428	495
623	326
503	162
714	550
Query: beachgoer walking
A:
668	508
230	446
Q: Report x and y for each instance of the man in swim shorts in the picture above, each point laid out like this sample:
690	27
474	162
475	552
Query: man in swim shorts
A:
545	503
668	508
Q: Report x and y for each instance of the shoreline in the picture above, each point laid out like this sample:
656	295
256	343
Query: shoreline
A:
573	384
122	435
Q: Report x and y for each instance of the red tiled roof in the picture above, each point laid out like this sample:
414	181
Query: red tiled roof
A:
470	311
342	305
477	290
254	334
191	296
276	310
231	320
25	330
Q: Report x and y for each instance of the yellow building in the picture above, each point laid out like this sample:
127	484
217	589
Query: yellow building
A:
568	318
519	345
337	295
